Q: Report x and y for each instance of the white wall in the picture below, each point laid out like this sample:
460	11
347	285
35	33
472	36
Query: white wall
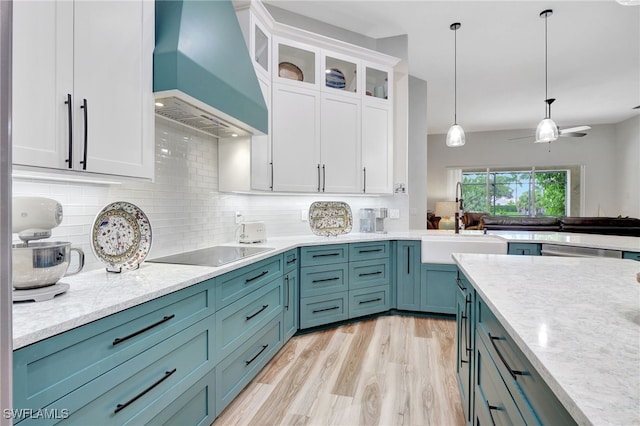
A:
597	152
184	206
628	166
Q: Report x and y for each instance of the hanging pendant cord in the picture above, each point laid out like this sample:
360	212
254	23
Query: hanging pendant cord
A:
455	76
546	67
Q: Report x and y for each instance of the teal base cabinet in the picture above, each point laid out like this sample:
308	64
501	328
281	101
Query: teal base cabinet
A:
407	274
324	309
524	249
438	288
369	278
290	306
631	255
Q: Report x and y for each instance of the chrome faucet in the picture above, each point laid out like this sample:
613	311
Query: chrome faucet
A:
460	210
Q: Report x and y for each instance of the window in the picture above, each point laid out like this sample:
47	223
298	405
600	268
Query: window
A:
526	192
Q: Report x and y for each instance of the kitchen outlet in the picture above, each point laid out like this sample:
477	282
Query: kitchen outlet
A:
304	215
394	213
238	217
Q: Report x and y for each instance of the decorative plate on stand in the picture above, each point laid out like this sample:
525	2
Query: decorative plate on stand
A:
121	236
330	218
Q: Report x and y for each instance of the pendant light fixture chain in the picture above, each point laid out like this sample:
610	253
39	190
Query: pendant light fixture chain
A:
455	135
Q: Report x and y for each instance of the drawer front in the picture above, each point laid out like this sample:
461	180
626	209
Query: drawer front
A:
631	255
73	358
236	284
368	301
196	406
139	388
291	260
323	255
369	273
372	250
234	372
242	318
536	401
317	280
325	309
524	249
493	401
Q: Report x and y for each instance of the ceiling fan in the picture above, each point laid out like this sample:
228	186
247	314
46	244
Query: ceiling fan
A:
570	132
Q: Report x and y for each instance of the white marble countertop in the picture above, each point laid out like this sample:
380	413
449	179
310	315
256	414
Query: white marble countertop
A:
97	294
577	320
611	242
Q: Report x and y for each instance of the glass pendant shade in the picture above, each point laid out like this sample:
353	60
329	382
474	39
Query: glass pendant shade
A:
455	136
547	131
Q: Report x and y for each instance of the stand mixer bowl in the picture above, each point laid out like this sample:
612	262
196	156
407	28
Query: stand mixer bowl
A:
42	264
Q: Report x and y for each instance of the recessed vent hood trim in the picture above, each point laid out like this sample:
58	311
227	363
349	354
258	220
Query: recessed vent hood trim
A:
202	71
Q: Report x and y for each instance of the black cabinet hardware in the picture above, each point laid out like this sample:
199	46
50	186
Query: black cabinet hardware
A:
147	328
318	177
370	250
324	177
325	280
366	274
264	347
120	407
460	286
70	119
333	308
408	259
271	182
491	408
370	301
86	133
286	281
364	179
263	273
259	310
326	254
513	372
289	262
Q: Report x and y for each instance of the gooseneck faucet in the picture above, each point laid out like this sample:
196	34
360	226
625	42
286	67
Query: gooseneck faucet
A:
460	210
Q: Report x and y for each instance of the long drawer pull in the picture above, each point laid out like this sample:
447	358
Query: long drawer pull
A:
460	286
262	274
259	310
513	372
408	260
325	280
147	328
289	262
464	361
315	311
370	250
370	301
326	254
264	348
366	274
120	407
85	107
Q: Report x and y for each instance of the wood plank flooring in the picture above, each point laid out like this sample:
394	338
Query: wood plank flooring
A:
391	370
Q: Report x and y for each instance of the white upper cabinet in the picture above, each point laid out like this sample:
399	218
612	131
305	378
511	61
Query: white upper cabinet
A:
82	86
296	63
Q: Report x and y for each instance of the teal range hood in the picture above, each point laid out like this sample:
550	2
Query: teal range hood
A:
202	73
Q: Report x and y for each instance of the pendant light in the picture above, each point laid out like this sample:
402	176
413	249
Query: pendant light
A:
455	135
547	130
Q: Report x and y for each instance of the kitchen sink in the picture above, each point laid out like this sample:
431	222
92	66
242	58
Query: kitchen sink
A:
438	248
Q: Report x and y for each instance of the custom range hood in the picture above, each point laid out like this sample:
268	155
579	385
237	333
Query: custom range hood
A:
202	73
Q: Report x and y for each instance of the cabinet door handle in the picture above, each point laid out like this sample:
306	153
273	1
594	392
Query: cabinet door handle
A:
460	286
491	408
271	182
264	348
370	250
370	273
259	310
263	273
324	177
118	340
467	326
86	133
513	372
286	281
120	407
70	124
408	260
370	301
322	280
364	179
333	308
318	177
462	316
289	262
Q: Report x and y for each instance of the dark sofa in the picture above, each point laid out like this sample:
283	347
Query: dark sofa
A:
585	225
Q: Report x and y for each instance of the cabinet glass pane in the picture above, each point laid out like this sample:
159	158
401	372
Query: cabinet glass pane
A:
261	43
339	74
296	64
376	82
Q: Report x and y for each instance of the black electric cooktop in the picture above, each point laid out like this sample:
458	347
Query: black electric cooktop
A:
212	256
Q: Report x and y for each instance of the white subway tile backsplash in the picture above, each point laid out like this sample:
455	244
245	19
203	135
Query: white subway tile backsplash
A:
184	206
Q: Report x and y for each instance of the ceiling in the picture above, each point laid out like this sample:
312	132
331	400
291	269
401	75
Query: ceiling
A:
593	65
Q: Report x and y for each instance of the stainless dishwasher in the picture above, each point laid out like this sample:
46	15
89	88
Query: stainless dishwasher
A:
574	251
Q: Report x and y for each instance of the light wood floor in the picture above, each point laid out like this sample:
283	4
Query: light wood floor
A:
392	370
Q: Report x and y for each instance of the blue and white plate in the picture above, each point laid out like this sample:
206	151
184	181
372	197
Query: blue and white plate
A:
335	78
